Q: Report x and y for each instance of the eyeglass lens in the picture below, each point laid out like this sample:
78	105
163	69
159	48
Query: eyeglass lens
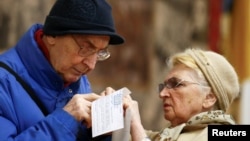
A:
170	83
85	51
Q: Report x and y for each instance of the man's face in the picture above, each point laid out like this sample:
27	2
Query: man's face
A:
75	55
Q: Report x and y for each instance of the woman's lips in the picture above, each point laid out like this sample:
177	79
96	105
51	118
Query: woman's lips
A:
166	106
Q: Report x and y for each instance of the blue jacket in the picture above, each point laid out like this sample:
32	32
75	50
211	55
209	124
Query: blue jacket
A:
20	117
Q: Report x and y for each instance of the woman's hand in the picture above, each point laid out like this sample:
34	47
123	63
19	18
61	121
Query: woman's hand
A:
137	131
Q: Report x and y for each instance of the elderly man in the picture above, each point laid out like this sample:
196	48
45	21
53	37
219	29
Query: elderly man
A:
44	92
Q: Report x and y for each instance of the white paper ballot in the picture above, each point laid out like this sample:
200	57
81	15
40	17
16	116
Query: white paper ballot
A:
107	113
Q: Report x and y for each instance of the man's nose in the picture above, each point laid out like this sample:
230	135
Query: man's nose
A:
90	61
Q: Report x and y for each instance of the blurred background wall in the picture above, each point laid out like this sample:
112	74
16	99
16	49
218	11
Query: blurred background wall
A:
153	29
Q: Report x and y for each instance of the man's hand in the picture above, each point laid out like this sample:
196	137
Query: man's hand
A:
107	91
80	107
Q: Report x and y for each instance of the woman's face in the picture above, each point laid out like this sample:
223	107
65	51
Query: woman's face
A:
182	95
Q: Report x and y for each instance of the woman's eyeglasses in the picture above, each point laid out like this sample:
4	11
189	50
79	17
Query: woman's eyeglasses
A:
86	51
173	83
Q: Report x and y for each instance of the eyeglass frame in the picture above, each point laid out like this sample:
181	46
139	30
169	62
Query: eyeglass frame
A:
165	84
91	50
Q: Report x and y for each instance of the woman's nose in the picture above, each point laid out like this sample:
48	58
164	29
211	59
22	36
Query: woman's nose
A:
164	92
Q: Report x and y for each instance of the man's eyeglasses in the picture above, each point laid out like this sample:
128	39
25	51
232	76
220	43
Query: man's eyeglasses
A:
86	51
174	83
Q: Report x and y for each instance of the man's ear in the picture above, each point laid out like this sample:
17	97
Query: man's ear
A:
50	39
209	101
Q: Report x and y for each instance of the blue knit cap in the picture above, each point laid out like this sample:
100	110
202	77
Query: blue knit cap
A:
82	17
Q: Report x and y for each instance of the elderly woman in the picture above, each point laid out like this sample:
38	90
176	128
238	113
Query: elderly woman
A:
197	91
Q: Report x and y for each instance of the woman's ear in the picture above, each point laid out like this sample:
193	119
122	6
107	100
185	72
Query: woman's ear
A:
209	101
